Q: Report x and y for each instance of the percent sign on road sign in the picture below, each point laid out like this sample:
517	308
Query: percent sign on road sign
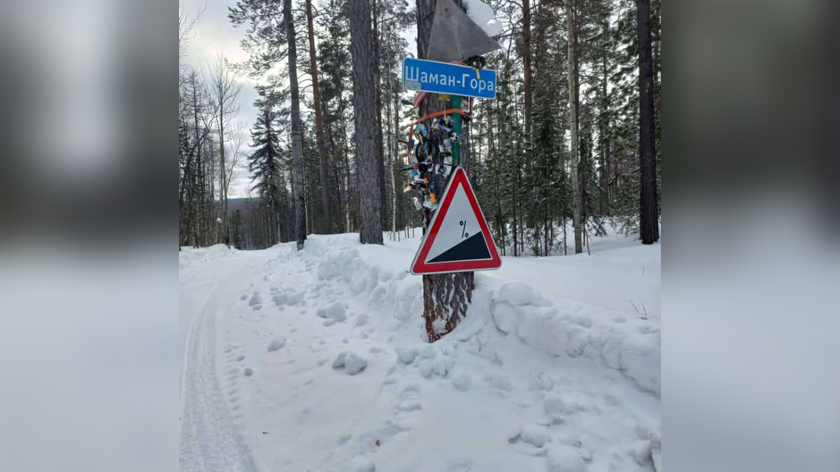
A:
458	239
439	77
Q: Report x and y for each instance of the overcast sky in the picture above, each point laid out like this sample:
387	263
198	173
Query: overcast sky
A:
214	35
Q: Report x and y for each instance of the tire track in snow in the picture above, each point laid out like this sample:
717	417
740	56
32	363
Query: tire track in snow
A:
210	440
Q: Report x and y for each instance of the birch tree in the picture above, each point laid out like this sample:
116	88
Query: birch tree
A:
225	92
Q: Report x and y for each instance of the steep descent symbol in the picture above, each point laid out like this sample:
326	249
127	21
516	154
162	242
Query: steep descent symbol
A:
458	238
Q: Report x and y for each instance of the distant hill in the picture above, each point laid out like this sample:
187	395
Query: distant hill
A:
241	203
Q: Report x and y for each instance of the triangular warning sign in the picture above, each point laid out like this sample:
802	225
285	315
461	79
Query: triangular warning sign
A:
458	239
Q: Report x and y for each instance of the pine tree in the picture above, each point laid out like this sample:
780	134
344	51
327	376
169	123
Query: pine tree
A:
649	219
297	147
364	104
237	230
264	164
336	71
319	126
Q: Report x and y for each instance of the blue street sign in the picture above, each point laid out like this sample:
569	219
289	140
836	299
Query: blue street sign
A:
453	79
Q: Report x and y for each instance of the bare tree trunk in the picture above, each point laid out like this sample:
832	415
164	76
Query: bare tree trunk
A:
319	124
604	171
380	154
297	145
197	144
647	138
225	92
395	162
445	296
526	63
348	194
364	104
573	113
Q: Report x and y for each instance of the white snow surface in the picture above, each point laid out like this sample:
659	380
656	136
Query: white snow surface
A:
484	16
555	367
189	257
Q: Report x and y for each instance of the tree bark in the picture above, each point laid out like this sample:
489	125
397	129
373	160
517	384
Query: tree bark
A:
223	177
573	114
319	124
297	144
526	64
445	296
647	140
364	103
380	151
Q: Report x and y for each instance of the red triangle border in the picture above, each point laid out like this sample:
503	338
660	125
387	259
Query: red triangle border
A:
419	267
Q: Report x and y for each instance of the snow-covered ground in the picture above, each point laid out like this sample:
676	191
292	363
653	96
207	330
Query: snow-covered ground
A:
316	361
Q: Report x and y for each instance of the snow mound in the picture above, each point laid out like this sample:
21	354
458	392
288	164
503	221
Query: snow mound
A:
519	294
632	347
406	355
554	406
565	459
296	298
397	294
336	312
351	362
188	257
276	344
462	382
535	435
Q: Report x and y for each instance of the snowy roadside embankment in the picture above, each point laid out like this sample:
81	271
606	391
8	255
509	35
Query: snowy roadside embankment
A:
629	345
323	364
189	256
506	323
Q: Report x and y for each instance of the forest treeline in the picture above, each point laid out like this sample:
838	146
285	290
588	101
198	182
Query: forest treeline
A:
567	149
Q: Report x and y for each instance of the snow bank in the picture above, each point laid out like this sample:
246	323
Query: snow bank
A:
388	291
336	312
188	256
633	348
630	346
551	369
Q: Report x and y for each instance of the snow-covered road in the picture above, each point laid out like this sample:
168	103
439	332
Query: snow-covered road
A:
209	438
315	360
